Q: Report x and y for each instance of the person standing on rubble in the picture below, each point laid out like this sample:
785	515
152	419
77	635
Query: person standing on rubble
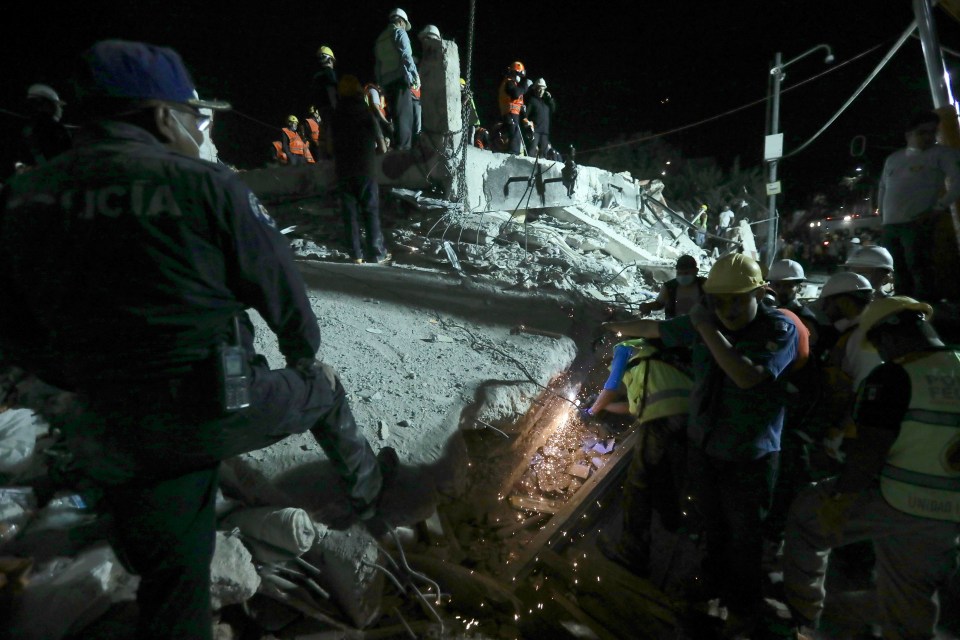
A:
700	223
540	108
355	138
323	89
397	73
917	187
293	150
514	85
741	348
678	295
136	309
899	487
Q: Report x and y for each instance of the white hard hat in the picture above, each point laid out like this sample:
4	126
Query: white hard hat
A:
871	258
854	240
430	32
398	12
844	282
541	83
43	91
786	270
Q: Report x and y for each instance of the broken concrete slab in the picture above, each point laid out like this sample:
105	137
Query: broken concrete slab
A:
233	578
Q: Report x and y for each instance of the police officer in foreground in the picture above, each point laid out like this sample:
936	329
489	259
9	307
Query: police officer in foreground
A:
900	487
127	265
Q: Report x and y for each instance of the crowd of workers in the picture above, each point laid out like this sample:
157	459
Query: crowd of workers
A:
803	427
136	315
394	98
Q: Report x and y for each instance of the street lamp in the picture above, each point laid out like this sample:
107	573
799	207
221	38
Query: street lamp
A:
775	151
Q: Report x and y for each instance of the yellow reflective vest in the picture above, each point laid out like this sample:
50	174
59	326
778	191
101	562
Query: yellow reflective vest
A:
655	389
922	473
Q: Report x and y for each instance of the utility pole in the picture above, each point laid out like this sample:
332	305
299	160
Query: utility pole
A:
773	188
948	259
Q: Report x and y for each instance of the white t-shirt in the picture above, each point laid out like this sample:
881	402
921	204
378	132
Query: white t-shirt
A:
726	218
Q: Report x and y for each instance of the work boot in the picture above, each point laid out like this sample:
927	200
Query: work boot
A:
615	551
386	258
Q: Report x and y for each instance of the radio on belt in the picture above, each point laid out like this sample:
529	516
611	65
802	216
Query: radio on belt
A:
234	373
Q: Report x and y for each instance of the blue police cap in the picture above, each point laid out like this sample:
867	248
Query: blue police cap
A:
139	71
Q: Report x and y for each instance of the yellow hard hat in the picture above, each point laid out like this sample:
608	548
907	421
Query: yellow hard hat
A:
325	51
883	308
293	119
734	273
463	82
349	86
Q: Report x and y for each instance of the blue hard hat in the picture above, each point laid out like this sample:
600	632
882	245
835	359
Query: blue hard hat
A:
138	71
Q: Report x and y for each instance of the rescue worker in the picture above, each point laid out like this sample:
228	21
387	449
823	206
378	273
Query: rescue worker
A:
700	222
846	363
323	88
314	123
725	221
293	150
917	186
510	98
139	314
741	349
44	137
786	278
397	73
900	486
875	264
377	103
657	384
678	295
471	118
355	137
540	107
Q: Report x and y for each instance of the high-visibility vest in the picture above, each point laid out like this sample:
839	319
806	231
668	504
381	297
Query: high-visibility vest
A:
314	127
922	472
655	389
382	107
508	104
280	155
297	145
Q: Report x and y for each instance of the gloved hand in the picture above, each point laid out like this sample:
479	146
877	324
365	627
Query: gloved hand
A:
699	314
832	513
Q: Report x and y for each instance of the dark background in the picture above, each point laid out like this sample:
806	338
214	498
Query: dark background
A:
615	68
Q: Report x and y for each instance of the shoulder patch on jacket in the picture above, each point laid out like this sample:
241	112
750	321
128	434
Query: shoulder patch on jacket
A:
260	211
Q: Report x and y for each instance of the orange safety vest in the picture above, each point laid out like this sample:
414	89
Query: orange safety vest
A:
278	148
383	99
297	145
314	130
508	104
415	93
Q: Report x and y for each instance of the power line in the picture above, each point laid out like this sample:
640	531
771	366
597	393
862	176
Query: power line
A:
735	110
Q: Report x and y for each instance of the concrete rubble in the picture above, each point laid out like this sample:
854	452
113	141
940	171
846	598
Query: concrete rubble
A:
502	273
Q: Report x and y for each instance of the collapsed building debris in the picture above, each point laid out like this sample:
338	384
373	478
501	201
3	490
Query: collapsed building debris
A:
467	357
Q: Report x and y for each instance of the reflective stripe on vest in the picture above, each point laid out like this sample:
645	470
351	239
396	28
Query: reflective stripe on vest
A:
657	390
922	474
508	104
297	145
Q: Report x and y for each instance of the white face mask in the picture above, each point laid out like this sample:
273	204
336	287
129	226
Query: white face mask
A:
186	132
685	280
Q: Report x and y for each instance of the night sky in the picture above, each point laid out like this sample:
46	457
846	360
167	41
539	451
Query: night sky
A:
614	67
